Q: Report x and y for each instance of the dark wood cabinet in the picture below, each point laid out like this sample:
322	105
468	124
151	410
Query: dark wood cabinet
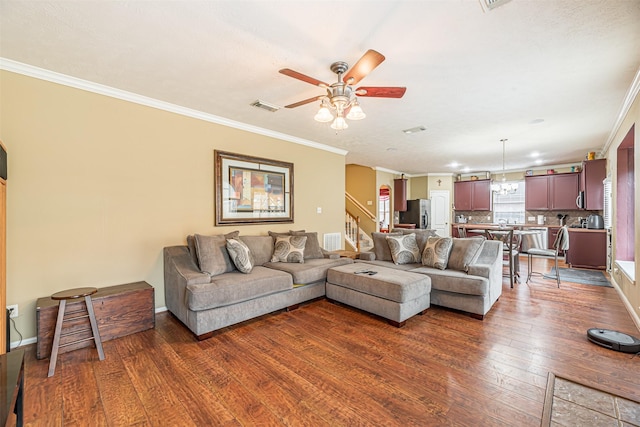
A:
587	248
536	193
591	177
481	196
472	195
563	192
400	195
551	192
552	234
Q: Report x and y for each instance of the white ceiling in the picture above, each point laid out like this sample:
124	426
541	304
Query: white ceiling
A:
473	76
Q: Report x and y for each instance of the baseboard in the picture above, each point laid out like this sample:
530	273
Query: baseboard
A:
625	301
33	340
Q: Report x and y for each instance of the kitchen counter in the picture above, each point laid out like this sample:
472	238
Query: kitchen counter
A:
469	225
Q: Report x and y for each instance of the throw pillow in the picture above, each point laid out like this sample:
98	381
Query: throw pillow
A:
289	249
213	257
240	255
404	249
422	234
312	247
464	251
381	247
436	252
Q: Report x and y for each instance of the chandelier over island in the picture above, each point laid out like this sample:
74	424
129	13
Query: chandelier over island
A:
504	187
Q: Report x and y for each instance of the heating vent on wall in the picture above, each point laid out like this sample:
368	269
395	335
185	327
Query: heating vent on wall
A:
332	241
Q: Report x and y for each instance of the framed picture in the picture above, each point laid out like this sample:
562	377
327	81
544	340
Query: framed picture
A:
252	189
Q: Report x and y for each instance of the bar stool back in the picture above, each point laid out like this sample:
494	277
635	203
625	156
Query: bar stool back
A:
63	297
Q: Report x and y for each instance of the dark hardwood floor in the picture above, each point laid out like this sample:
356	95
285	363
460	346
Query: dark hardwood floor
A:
327	364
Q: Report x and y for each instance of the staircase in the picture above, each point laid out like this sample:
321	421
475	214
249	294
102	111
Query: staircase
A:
355	236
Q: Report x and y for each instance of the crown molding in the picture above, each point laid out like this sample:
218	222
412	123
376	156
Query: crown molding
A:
63	79
632	94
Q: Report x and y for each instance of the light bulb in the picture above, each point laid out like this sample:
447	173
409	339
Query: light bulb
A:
323	115
339	123
356	112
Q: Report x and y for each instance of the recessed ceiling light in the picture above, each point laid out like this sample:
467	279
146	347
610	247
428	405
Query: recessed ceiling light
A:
536	121
414	130
535	154
538	161
466	170
454	164
392	149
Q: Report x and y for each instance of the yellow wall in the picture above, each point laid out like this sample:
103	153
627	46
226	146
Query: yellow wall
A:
360	182
630	290
98	186
419	186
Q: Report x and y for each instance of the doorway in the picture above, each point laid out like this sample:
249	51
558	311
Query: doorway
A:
441	212
384	208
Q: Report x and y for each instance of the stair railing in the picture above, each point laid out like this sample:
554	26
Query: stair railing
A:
352	229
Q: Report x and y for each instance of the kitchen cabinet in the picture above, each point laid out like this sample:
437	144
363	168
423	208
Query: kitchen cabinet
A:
552	234
564	190
591	177
587	248
536	193
551	192
472	195
400	195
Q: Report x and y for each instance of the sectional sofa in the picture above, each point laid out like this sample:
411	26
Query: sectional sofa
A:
217	281
469	278
206	288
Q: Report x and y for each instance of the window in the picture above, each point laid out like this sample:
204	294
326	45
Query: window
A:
509	208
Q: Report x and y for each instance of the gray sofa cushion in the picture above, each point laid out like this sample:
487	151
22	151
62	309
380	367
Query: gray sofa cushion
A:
311	271
289	249
464	251
404	249
240	255
312	248
436	252
213	257
261	248
381	247
231	288
455	281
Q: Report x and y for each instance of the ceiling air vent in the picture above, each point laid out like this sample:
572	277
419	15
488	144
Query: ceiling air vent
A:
488	5
265	106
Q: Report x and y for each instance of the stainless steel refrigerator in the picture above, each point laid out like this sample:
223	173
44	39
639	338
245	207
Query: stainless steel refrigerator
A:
418	212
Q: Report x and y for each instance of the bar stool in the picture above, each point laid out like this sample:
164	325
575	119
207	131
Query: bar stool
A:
63	297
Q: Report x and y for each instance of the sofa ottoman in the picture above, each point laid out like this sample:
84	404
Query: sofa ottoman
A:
392	294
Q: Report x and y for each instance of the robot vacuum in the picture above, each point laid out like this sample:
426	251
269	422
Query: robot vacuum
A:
614	340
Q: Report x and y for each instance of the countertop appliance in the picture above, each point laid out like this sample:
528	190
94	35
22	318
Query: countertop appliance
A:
418	212
595	222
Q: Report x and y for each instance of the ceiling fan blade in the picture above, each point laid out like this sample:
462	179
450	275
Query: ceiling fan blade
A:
303	77
381	92
370	60
306	101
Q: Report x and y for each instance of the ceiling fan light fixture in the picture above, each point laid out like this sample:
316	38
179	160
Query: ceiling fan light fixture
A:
339	123
356	112
323	115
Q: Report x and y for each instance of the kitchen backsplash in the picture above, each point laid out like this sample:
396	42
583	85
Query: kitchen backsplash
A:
531	217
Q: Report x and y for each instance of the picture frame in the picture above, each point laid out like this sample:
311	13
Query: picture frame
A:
251	190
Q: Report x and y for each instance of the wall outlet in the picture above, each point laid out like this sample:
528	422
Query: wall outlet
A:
13	310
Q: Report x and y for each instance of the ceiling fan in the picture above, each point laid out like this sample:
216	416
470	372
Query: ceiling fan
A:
341	97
